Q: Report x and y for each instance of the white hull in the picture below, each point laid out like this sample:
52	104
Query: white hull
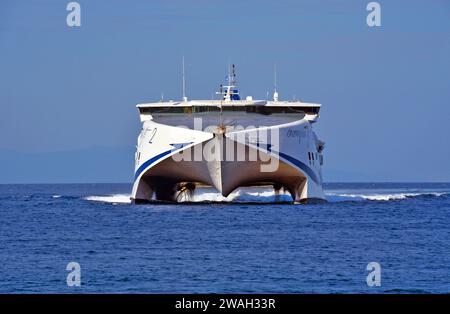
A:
171	159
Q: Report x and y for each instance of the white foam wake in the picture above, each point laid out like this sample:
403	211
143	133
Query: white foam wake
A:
267	195
114	198
205	196
378	196
263	195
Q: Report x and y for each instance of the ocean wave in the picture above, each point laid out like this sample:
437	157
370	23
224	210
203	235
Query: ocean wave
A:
381	196
114	198
269	196
207	195
261	195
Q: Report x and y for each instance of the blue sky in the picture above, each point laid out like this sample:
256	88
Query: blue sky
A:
385	91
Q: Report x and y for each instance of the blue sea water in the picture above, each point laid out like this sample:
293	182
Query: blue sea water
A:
228	246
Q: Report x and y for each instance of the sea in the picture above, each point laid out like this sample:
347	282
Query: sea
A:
253	241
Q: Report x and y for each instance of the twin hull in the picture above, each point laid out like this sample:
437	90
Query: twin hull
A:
172	160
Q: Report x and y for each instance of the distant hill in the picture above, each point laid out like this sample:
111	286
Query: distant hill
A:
92	165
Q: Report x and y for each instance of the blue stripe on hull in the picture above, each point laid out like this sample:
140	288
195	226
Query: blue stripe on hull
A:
305	168
149	162
310	172
158	157
302	166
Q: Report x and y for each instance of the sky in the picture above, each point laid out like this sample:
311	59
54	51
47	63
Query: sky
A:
71	91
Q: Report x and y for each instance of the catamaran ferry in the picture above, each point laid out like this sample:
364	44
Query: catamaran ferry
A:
227	143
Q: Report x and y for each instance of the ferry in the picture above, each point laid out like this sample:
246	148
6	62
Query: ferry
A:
227	143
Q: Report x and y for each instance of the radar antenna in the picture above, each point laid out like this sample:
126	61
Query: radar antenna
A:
229	92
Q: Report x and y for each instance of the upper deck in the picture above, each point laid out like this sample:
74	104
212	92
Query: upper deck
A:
265	107
230	106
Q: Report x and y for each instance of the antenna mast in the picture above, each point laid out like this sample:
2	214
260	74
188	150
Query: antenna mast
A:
184	83
275	76
275	93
